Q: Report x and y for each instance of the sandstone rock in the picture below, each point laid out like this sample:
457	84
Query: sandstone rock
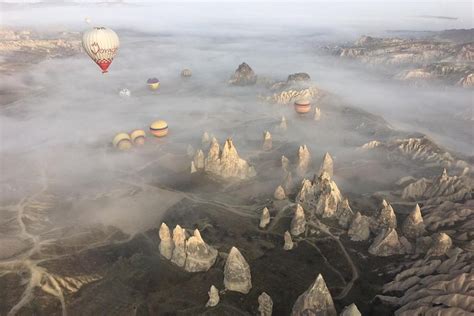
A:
237	273
315	301
415	190
291	95
166	244
267	141
407	246
441	244
320	197
288	241
413	226
199	160
386	244
190	151
265	304
317	114
285	163
288	182
304	159
227	163
360	228
179	252
265	218
298	223
344	213
351	310
283	126
243	76
327	165
298	77
213	297
193	167
279	193
199	255
206	139
385	219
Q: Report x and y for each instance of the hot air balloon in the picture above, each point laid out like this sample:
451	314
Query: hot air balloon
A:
159	128
185	73
302	106
138	137
122	141
124	92
101	44
153	83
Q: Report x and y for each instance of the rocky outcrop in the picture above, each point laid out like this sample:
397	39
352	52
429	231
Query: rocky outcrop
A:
243	76
351	310
317	114
265	218
288	241
199	255
467	81
304	159
320	197
265	304
290	95
315	301
283	126
179	252
298	77
413	226
449	215
288	182
166	243
298	223
386	244
193	167
206	139
267	141
442	188
360	228
237	275
279	193
327	165
285	164
385	219
213	297
441	244
225	163
344	214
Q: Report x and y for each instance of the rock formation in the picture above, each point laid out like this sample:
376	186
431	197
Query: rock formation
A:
179	252
283	126
237	273
206	139
267	141
360	228
317	114
298	223
225	163
199	160
385	219
243	76
265	304
315	301
327	165
213	297
190	151
298	77
413	226
386	244
279	193
441	244
265	218
344	213
351	310
166	244
304	159
292	94
320	197
288	182
285	163
193	167
199	255
288	241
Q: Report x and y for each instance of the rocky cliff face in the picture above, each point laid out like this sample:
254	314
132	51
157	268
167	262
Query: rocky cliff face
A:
317	300
225	163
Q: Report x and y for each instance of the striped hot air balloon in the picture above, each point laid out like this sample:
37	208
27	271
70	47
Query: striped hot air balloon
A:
302	106
101	44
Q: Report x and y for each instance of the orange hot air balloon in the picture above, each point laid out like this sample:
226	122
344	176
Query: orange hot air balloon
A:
101	44
159	128
302	106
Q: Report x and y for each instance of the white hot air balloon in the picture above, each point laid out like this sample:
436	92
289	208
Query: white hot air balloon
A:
101	44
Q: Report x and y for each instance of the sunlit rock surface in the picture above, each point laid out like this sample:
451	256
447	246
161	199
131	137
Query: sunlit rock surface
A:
344	213
304	159
179	251
316	300
279	193
237	275
359	229
199	255
413	226
213	297
440	245
327	165
267	141
386	244
350	310
265	304
264	218
166	243
385	218
298	223
288	241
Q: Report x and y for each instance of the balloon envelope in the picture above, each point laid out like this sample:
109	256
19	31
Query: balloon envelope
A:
101	44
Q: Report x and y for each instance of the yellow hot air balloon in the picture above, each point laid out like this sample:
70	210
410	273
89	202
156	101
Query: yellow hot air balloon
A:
101	44
122	141
138	137
159	128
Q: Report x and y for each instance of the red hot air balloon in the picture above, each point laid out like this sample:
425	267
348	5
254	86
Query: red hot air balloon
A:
101	44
